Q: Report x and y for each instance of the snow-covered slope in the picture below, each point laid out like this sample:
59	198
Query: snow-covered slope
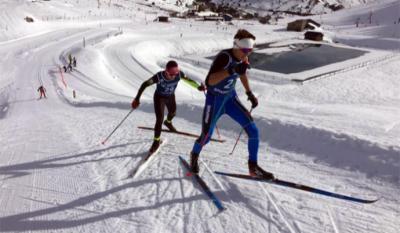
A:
378	25
299	6
339	132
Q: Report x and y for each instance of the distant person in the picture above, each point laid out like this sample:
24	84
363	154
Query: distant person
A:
42	91
69	67
164	96
74	61
70	58
70	61
229	66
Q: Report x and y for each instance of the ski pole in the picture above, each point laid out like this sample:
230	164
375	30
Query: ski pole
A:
217	130
104	141
237	139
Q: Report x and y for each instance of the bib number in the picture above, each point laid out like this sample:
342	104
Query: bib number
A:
229	84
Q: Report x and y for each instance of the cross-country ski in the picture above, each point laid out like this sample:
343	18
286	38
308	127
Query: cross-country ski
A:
115	115
298	186
202	184
144	162
181	133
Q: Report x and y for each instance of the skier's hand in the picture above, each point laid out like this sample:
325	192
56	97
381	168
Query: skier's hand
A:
239	68
135	103
202	87
252	98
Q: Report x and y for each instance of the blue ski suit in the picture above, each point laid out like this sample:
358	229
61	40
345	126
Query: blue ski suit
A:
222	99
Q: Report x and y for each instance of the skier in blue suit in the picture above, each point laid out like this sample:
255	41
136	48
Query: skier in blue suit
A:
228	66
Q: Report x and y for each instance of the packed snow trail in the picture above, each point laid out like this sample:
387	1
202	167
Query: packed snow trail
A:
39	172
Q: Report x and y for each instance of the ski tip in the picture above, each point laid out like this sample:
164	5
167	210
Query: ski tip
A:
371	201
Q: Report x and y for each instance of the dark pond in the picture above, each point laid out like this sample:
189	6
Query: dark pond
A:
302	57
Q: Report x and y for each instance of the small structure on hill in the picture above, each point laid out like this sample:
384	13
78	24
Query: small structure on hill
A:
227	17
336	7
29	19
213	18
163	19
302	24
206	14
313	35
264	20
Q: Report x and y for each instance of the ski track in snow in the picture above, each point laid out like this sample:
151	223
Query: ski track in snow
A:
339	134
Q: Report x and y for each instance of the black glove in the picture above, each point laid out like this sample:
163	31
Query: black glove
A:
239	68
252	98
135	103
202	87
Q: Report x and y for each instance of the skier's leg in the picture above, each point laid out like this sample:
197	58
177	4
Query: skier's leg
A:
171	106
241	115
159	105
213	109
209	120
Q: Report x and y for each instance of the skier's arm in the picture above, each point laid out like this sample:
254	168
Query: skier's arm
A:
144	85
245	81
188	80
192	83
219	70
250	96
227	70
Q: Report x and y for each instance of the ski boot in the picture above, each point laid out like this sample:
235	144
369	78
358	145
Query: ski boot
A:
170	126
155	145
256	171
194	165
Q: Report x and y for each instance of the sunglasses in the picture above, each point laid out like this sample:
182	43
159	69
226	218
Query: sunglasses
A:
172	72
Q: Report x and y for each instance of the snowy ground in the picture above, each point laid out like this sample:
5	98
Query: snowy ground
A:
340	132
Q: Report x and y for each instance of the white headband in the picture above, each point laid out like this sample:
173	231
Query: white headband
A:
247	43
